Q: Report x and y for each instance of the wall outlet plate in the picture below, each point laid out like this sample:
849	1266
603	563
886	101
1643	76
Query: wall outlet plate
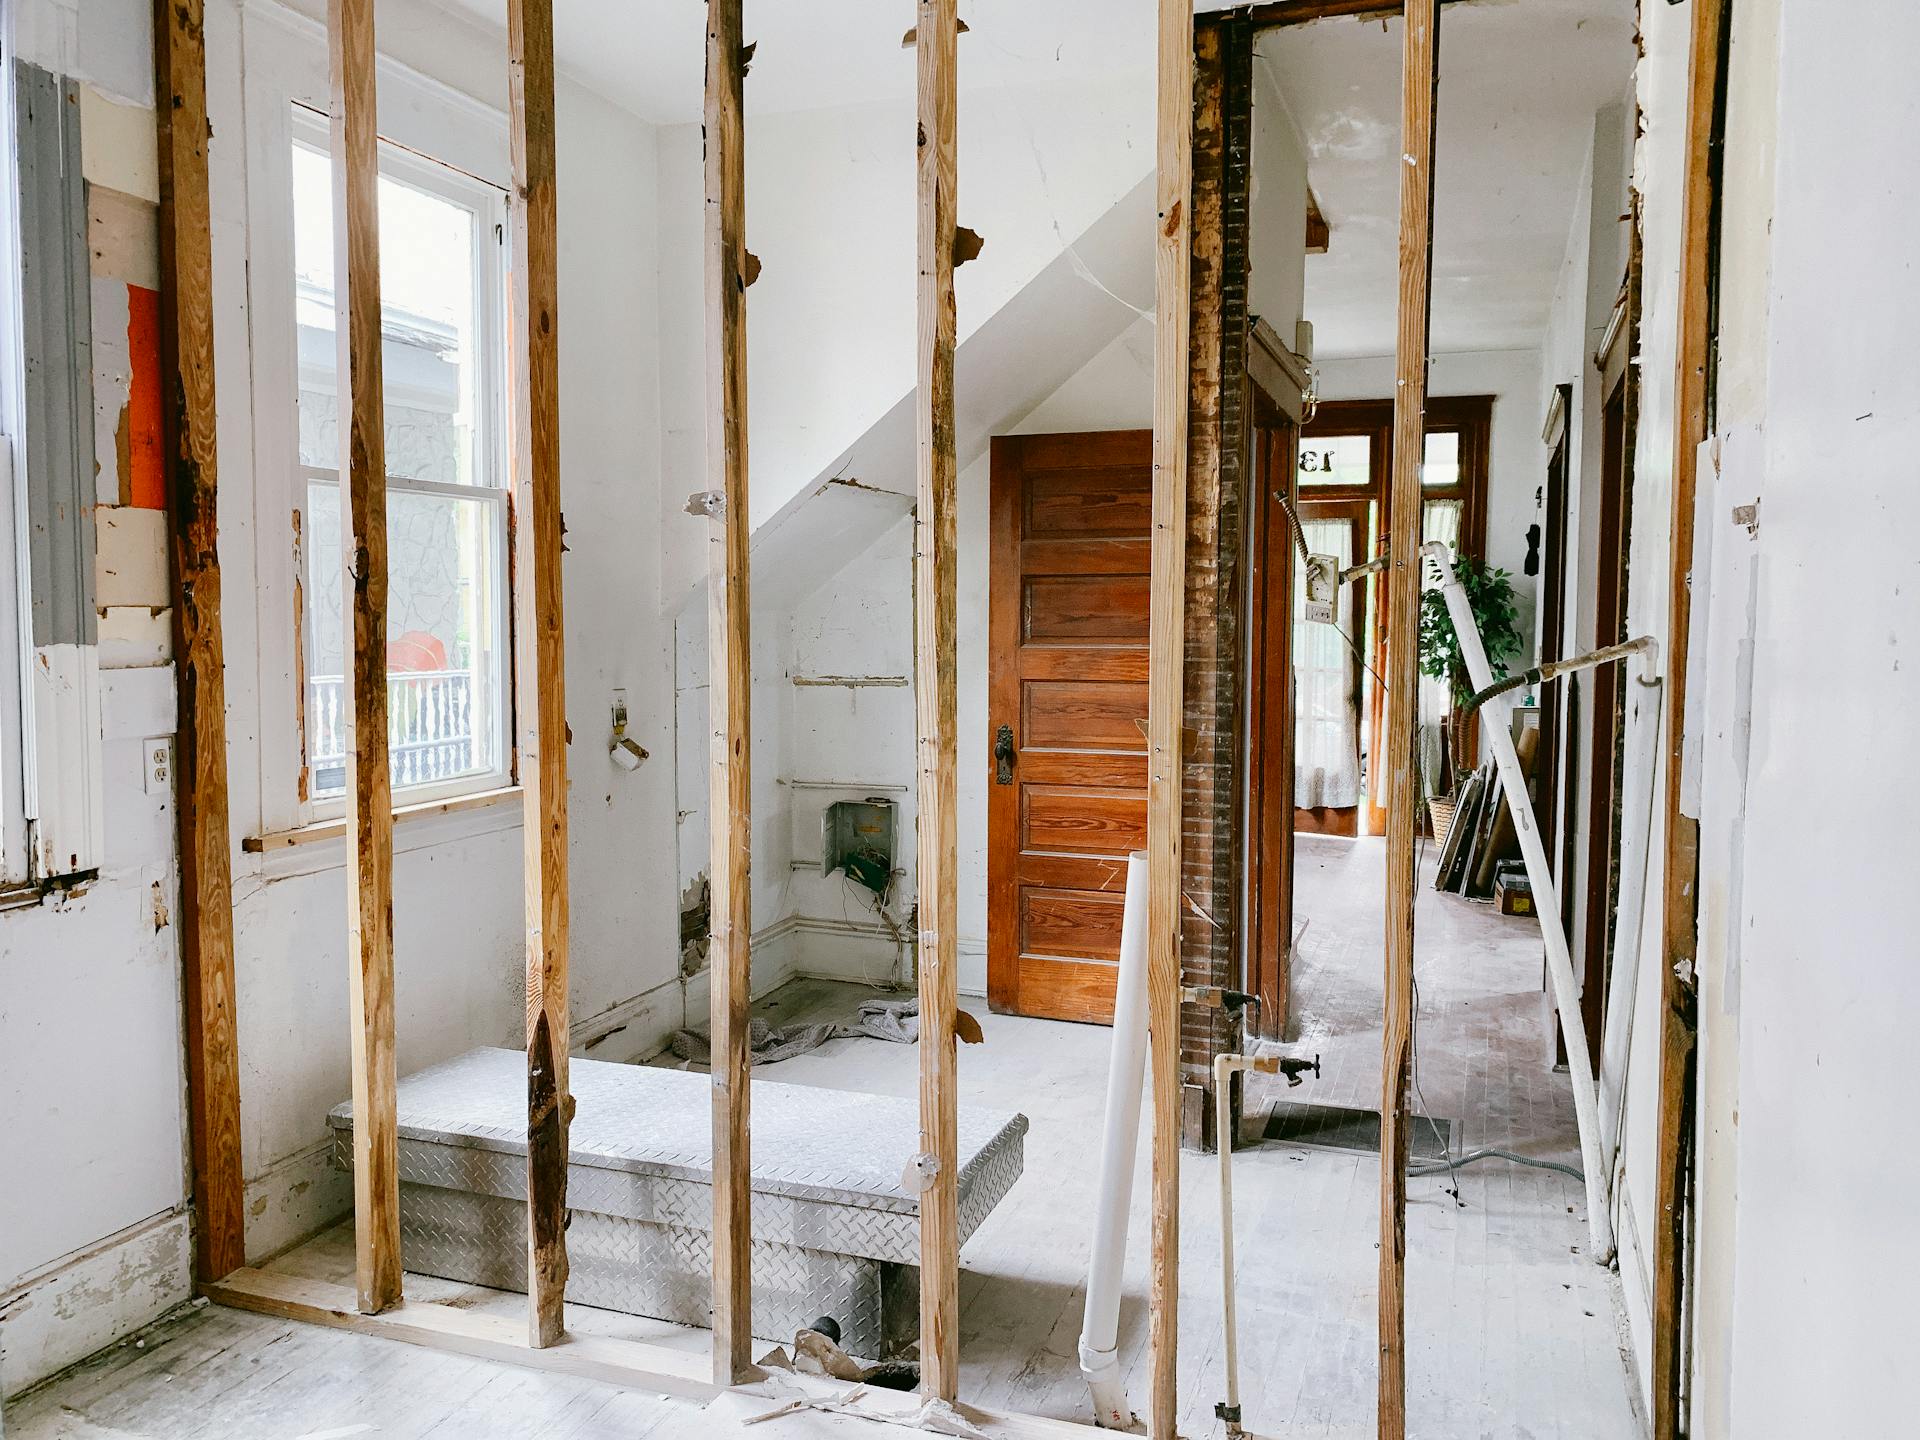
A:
159	766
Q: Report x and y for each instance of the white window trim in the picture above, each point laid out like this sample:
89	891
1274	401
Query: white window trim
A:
285	66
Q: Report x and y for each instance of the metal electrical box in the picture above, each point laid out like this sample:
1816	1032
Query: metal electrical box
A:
857	837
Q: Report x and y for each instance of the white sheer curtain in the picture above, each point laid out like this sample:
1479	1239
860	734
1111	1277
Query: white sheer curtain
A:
1440	520
1326	763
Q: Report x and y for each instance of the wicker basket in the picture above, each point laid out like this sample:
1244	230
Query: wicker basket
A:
1440	812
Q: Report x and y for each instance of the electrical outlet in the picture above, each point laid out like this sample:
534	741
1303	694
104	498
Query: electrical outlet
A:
159	767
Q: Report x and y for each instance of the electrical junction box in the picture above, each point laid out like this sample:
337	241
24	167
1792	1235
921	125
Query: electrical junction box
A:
857	836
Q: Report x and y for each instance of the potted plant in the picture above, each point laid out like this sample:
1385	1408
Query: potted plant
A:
1490	596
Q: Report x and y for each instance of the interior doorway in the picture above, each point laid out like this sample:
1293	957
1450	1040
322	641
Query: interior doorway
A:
1071	524
1345	461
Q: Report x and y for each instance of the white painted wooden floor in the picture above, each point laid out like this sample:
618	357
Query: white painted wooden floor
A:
1511	1330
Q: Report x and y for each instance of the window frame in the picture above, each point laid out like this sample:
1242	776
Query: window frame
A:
284	66
492	479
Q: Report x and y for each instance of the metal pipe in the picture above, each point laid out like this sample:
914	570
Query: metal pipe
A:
1566	992
1120	1137
1553	669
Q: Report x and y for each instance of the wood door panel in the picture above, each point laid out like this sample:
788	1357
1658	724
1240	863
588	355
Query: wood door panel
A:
1105	609
1078	821
1090	715
1079	662
1068	989
1087	505
1070	922
1067	670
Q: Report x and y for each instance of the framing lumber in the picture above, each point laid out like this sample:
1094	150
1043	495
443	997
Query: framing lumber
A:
363	494
936	698
1277	13
467	1332
1679	912
1419	86
541	660
1173	298
200	796
729	693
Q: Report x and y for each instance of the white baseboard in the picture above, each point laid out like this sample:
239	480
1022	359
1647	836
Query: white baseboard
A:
295	1198
86	1301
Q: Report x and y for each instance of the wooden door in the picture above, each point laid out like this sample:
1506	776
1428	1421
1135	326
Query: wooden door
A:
1067	686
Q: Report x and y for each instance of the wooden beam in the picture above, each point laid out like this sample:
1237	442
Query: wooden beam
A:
729	694
463	1331
363	498
541	669
1419	85
936	698
1277	13
206	861
1681	861
1173	298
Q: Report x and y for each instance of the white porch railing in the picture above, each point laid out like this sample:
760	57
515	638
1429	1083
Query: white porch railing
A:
430	728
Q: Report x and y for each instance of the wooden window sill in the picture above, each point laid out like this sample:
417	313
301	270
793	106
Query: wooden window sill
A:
336	829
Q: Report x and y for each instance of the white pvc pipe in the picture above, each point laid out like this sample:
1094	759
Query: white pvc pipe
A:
1120	1136
1546	903
1636	824
1224	1069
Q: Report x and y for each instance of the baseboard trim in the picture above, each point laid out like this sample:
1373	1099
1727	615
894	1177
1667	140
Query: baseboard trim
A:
84	1302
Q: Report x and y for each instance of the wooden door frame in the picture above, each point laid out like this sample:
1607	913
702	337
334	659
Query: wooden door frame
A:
1553	582
1618	417
1276	381
1472	417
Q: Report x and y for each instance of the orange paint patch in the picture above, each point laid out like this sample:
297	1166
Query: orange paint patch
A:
146	464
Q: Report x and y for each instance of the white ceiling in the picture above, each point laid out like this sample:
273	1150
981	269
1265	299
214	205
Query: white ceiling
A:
648	56
1520	82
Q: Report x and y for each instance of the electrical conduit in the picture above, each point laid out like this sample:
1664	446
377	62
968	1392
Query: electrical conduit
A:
1566	992
1126	1073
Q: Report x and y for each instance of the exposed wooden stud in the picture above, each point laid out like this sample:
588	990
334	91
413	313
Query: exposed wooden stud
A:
729	695
1276	13
463	1331
363	498
541	671
1319	233
936	698
1681	861
1419	86
1173	296
200	793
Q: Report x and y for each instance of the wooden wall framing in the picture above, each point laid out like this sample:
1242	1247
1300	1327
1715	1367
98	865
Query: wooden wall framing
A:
936	672
729	695
540	671
1173	295
363	492
1681	859
206	857
1419	89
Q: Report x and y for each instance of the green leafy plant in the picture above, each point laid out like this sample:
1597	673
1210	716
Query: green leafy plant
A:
1490	596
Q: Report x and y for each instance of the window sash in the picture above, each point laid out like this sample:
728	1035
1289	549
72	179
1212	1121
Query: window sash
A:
489	473
499	704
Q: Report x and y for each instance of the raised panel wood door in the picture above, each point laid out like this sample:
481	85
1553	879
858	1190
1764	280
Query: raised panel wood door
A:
1067	686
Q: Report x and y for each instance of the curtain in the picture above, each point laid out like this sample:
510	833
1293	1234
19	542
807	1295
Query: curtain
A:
1326	763
1439	520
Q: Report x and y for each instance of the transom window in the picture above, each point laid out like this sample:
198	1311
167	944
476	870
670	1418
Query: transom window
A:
442	285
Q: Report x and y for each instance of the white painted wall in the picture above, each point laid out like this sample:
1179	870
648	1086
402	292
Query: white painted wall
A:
830	327
1806	973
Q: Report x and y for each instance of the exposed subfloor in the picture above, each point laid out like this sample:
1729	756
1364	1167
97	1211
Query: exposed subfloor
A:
1511	1329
